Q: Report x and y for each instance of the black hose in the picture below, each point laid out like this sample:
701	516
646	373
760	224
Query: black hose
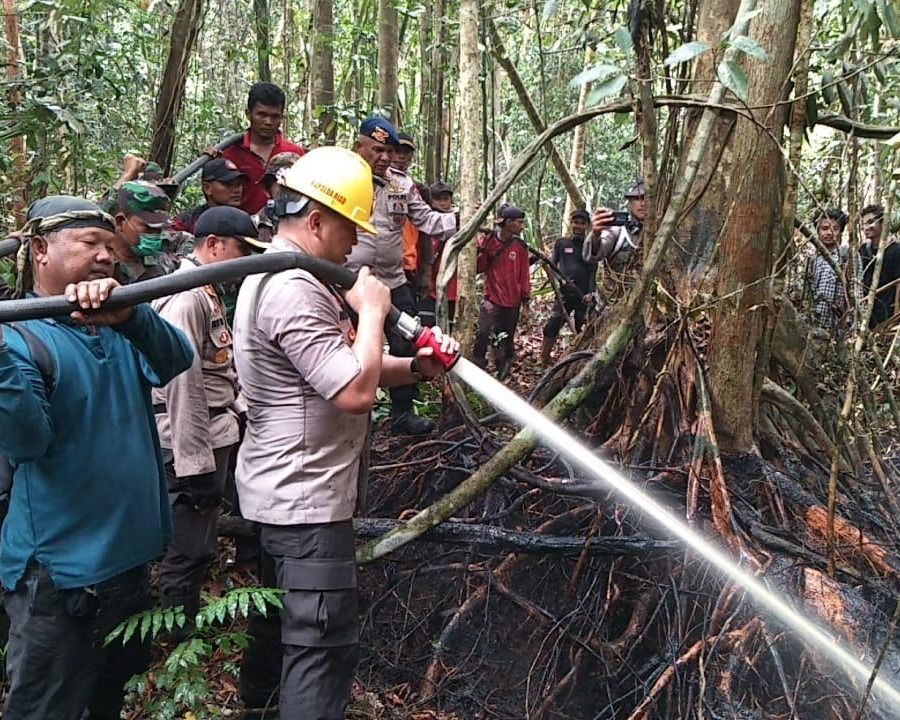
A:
10	246
182	176
58	306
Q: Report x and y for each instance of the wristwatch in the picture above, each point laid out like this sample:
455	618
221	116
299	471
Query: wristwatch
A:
414	369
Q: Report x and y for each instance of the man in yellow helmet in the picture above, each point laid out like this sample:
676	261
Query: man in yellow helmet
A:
309	379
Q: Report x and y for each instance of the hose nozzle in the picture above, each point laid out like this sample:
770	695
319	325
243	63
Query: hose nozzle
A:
420	336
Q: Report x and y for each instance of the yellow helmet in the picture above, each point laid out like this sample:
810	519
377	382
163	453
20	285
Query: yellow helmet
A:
336	178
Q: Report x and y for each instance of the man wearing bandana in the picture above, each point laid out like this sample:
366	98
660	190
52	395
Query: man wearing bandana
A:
88	508
396	199
141	216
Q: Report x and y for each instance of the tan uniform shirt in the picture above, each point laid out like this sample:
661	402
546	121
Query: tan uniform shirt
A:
300	460
193	426
395	201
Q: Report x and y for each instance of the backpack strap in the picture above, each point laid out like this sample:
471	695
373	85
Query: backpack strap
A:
41	354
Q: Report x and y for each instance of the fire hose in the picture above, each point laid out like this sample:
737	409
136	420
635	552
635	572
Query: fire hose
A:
401	323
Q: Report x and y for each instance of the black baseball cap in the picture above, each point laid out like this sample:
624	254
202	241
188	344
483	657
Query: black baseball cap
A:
227	221
510	212
406	140
441	188
580	214
222	170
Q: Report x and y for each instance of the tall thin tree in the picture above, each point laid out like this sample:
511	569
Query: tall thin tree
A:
388	57
185	28
322	71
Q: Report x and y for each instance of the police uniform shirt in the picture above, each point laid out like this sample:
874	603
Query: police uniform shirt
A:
198	417
395	201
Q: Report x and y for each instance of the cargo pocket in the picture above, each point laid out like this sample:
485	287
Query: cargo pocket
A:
320	602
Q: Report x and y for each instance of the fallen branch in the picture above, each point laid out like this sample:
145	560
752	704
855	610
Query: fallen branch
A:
497	539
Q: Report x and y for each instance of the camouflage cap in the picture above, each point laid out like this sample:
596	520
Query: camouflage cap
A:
279	162
59	212
147	201
153	172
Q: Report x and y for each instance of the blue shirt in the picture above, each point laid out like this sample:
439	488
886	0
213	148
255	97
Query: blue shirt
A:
89	497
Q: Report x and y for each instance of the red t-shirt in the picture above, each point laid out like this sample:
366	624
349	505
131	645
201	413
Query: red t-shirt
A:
507	282
252	165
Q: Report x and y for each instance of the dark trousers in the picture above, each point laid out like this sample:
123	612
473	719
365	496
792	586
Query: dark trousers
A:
498	323
260	676
194	543
573	302
57	665
428	312
402	397
316	567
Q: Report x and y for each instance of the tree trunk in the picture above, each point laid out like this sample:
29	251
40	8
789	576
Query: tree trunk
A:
261	22
322	71
746	246
388	58
470	159
185	28
533	115
699	231
15	74
434	130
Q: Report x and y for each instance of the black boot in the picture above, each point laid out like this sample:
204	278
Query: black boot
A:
408	423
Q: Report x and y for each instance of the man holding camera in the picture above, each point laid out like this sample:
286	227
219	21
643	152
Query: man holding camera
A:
616	235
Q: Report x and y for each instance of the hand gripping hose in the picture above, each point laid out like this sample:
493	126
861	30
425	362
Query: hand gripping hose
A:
58	306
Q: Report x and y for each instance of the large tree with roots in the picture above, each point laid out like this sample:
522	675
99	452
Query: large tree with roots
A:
706	381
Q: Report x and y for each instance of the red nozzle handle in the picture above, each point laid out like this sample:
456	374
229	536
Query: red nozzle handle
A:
426	339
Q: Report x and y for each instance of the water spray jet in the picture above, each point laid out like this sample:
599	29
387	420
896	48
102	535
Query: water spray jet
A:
558	439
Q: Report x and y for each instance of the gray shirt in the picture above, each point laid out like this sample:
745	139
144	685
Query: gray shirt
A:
300	460
194	424
395	201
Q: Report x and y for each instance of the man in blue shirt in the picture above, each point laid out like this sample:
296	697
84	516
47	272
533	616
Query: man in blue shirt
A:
88	507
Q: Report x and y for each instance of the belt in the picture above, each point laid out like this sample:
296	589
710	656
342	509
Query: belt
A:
160	409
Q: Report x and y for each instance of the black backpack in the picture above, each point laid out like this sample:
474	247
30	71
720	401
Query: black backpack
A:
46	365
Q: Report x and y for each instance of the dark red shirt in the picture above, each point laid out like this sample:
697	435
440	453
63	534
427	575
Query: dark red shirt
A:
252	165
507	282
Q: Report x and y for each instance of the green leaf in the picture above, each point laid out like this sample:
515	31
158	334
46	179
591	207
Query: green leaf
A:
130	628
749	46
732	76
623	40
244	599
594	73
260	604
686	52
846	98
880	73
609	88
812	110
146	621
892	19
828	91
117	631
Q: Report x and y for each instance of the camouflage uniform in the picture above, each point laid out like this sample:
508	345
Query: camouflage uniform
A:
150	204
